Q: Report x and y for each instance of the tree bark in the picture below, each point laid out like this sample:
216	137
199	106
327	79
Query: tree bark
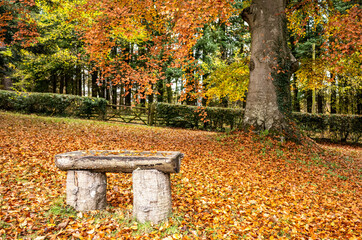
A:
309	100
333	100
53	79
62	83
107	85
94	83
78	77
296	103
320	101
114	94
160	89
169	91
128	98
271	65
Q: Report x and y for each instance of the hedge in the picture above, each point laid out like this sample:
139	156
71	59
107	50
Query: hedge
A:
193	117
53	104
337	126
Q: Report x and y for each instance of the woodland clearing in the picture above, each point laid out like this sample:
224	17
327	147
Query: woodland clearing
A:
231	186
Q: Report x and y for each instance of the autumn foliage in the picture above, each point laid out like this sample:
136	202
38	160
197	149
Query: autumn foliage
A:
231	186
16	24
119	34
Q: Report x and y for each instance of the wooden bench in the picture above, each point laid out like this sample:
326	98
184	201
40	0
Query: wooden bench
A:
87	181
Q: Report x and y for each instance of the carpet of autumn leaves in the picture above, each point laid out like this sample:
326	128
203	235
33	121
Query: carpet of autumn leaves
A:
231	186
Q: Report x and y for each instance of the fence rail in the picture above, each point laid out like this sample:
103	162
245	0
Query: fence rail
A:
130	114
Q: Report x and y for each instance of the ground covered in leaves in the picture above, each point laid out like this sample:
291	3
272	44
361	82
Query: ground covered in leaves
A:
231	186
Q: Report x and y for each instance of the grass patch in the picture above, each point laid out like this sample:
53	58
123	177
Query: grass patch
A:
59	209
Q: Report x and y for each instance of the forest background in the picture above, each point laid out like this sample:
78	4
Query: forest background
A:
194	52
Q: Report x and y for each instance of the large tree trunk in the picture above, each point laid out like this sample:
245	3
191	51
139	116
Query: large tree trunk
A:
271	65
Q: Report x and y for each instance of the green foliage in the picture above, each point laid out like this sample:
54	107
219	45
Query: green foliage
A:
227	80
58	50
339	126
195	117
52	104
89	105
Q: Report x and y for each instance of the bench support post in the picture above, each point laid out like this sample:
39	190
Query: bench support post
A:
151	195
86	190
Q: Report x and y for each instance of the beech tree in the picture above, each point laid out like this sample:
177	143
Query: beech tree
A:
271	66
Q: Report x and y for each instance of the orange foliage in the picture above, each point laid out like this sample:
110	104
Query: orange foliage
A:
153	31
17	18
229	187
345	31
341	32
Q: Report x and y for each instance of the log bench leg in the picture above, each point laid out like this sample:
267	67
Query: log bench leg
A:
86	190
151	195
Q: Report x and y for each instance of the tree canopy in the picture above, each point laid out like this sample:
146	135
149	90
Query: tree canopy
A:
177	50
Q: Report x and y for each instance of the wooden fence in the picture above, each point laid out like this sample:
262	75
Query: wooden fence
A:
130	114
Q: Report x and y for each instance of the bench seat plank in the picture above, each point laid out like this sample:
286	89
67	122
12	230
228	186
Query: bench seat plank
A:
119	161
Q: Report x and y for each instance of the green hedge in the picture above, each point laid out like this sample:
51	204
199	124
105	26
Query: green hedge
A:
337	126
334	126
193	117
53	104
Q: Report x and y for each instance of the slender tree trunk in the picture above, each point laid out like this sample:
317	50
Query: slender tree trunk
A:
320	101
53	78
143	102
314	100
66	83
62	83
296	103
102	89
327	96
271	65
309	98
114	94
334	100
359	101
150	97
107	86
121	97
89	84
128	98
169	92
78	78
160	89
94	83
74	84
